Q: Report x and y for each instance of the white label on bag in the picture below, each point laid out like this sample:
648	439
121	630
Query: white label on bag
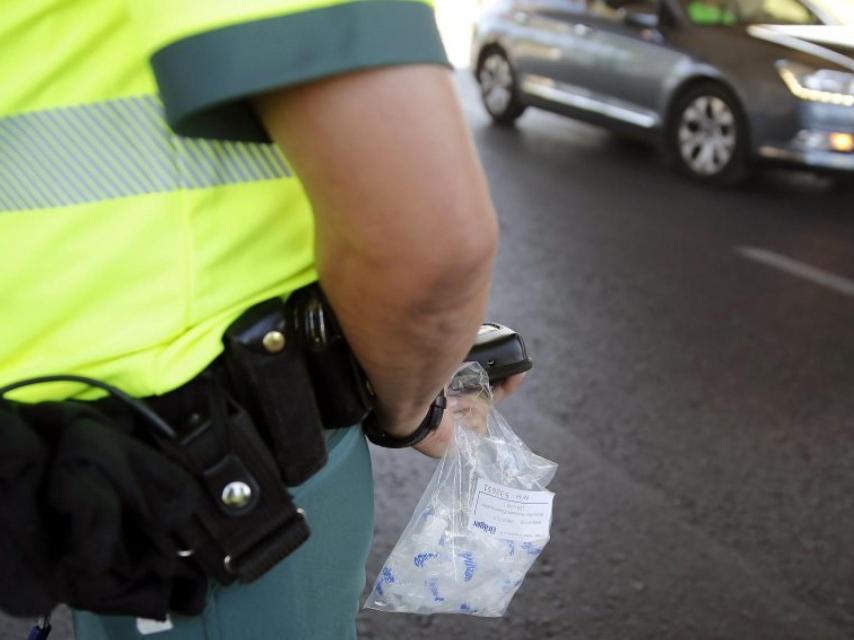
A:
511	514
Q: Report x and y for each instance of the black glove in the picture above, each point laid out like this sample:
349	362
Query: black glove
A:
101	517
25	549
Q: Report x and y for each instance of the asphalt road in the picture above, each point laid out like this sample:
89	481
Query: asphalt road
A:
695	385
700	402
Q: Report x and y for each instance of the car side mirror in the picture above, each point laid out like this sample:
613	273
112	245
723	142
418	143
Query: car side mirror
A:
637	17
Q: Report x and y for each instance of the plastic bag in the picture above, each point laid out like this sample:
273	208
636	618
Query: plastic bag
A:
482	521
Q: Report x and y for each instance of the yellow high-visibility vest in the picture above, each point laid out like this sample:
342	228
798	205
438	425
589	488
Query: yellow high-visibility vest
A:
142	207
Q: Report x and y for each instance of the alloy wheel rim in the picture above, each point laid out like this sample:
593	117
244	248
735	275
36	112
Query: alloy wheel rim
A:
496	83
707	135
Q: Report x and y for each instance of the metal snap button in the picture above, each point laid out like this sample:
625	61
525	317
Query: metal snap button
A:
236	494
274	341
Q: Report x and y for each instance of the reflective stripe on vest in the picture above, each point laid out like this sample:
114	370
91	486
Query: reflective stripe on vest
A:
113	149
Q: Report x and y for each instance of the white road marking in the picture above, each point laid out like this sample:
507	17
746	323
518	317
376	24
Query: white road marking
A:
799	269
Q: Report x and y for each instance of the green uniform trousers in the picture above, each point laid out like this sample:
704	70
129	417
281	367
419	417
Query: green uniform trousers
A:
313	594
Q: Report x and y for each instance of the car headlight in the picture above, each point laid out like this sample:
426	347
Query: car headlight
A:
818	85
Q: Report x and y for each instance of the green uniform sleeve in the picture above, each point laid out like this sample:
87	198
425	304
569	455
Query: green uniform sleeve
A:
210	56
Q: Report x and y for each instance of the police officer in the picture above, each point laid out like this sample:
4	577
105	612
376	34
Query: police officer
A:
166	164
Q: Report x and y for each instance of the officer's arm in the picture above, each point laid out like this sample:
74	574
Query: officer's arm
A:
406	232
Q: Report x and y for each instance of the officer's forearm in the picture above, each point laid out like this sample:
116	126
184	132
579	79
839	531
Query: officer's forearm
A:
409	330
406	233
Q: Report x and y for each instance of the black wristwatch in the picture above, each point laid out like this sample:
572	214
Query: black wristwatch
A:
428	424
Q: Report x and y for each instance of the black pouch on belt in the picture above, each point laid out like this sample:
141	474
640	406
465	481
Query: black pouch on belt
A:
268	372
248	522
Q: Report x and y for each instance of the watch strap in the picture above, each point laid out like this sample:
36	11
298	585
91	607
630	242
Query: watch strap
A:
430	423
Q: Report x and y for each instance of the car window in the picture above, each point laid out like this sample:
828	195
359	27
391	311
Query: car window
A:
730	12
615	10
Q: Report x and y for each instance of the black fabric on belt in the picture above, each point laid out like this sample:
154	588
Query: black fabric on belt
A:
90	516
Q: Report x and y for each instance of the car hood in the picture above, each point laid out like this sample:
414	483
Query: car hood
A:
831	43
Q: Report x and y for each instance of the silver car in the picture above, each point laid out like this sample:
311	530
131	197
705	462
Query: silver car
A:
721	83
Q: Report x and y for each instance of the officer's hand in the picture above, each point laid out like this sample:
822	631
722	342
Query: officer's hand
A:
472	410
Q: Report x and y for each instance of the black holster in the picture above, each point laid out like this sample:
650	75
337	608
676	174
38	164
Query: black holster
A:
293	375
291	366
273	383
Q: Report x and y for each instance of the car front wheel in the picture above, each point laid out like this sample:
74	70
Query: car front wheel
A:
708	135
498	87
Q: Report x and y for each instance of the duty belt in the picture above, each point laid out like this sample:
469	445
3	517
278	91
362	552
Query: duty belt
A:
229	443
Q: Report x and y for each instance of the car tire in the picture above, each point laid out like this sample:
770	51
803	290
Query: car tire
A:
498	89
707	135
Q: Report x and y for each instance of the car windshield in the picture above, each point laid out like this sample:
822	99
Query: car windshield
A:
733	12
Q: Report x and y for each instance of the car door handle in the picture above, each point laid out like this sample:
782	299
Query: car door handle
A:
581	30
